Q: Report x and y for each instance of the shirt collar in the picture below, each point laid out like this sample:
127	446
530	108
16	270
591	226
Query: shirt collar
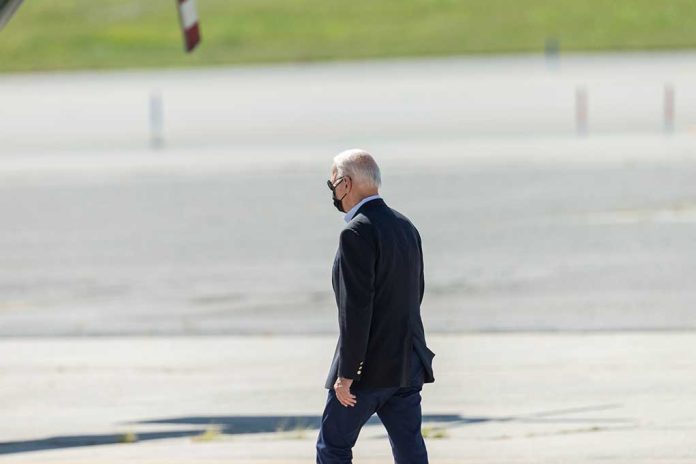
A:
349	215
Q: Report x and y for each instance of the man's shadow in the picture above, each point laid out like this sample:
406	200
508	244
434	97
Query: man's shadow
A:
237	425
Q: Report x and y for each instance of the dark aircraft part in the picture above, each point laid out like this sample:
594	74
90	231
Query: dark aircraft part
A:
7	9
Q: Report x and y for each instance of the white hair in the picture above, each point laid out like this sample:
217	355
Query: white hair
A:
359	165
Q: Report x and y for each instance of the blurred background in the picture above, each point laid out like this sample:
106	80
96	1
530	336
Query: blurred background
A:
545	150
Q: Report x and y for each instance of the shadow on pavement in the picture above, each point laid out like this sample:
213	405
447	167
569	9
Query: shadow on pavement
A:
234	425
228	425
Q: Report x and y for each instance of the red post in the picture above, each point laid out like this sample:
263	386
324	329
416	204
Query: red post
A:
669	108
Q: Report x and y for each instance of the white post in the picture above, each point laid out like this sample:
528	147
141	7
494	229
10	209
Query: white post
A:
156	120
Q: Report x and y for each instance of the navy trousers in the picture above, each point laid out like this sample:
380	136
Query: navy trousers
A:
399	409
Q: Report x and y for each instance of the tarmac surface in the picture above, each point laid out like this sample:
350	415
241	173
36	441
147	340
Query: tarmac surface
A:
497	398
228	227
165	284
541	234
340	103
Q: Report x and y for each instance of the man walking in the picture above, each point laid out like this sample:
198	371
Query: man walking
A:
381	360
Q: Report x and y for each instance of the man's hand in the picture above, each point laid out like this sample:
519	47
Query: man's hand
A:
342	389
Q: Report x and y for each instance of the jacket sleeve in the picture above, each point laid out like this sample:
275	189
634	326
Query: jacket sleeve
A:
356	283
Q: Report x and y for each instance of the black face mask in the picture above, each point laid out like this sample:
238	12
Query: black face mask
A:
337	203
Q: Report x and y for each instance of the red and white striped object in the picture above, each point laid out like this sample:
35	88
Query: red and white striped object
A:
189	23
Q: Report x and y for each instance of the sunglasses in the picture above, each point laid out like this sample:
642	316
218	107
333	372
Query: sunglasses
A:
333	186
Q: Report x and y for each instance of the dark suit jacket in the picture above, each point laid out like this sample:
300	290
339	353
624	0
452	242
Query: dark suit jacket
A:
378	282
